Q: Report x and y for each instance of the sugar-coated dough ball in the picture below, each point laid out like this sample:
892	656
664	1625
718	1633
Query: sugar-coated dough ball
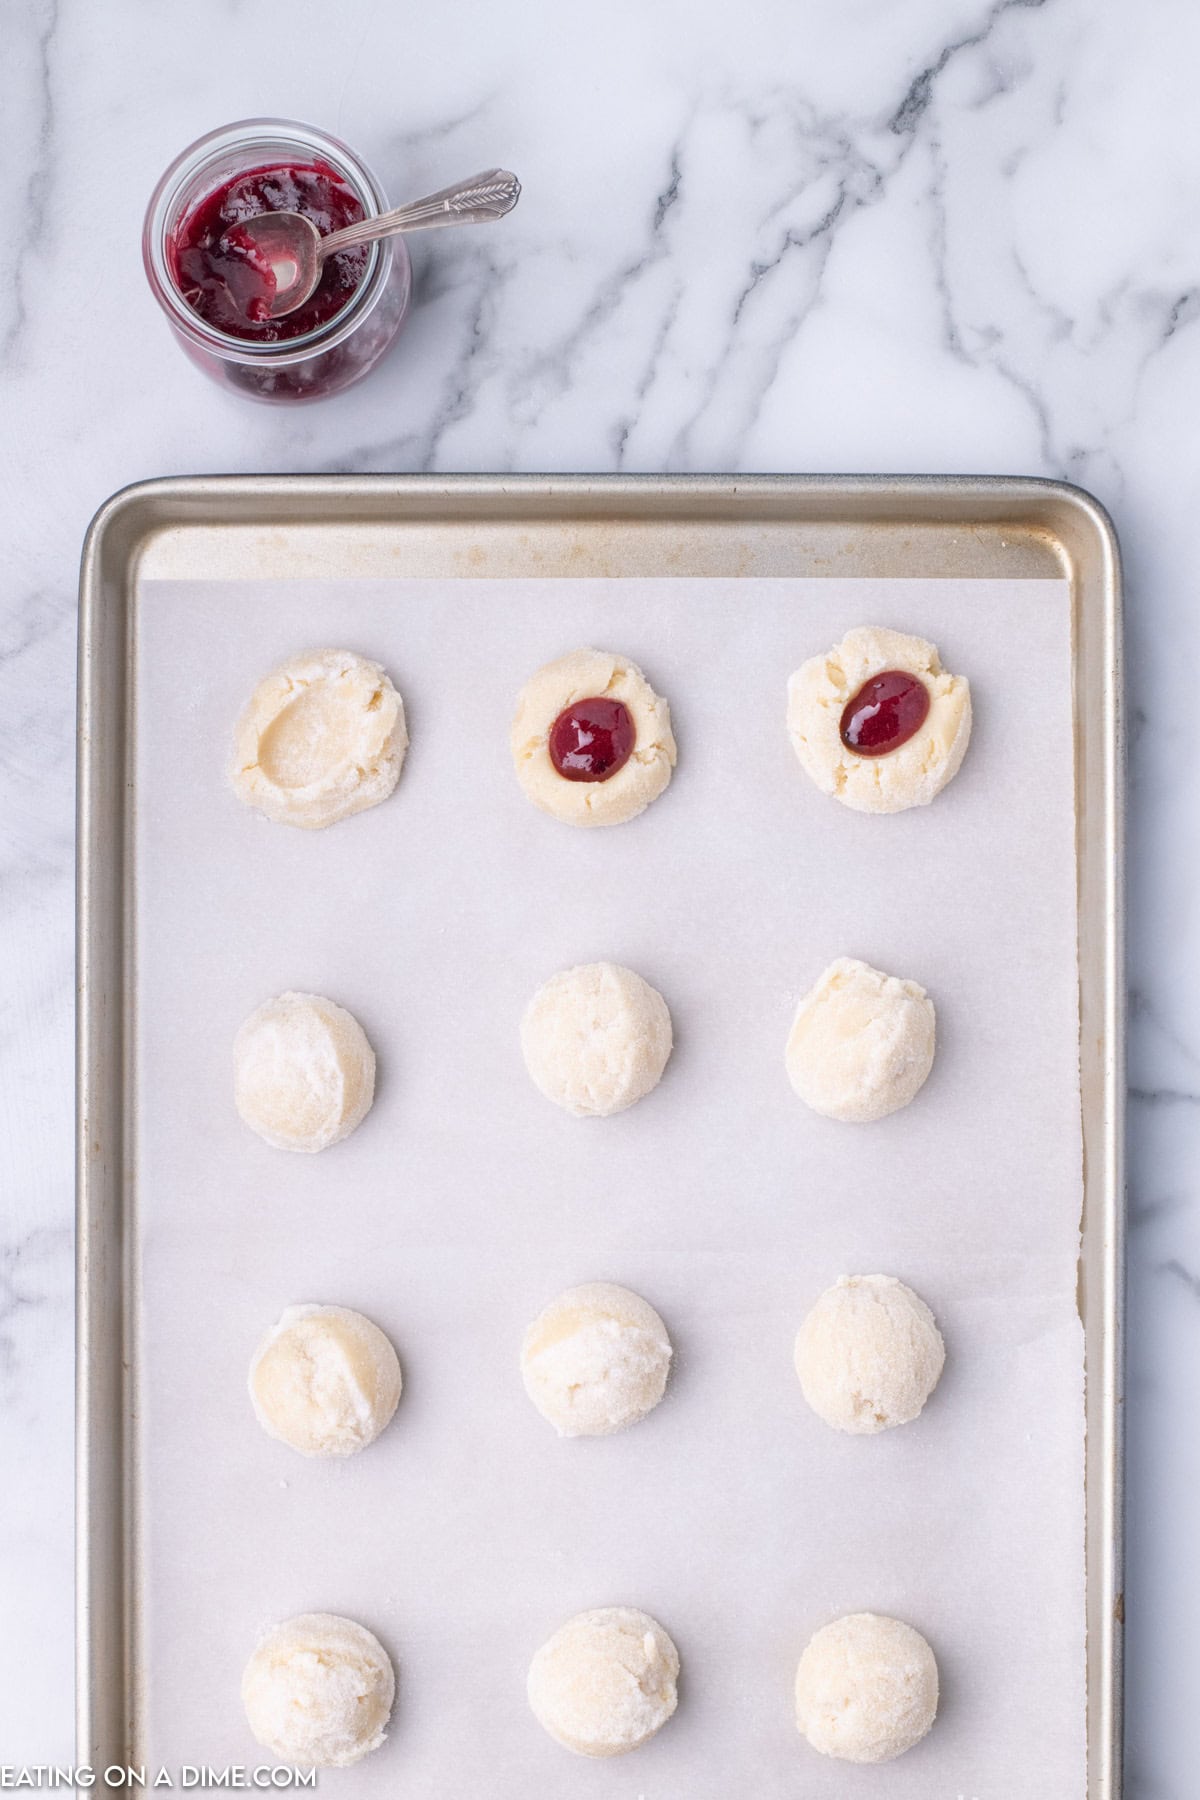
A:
869	1354
910	775
322	737
605	1682
318	1691
595	1360
589	675
861	1044
596	1039
303	1072
866	1689
324	1380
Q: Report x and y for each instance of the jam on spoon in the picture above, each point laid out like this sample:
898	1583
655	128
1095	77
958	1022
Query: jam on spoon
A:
887	710
230	284
591	739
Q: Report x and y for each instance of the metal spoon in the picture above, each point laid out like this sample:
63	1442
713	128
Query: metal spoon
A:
297	251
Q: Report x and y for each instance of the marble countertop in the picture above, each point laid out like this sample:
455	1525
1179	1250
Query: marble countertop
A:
819	235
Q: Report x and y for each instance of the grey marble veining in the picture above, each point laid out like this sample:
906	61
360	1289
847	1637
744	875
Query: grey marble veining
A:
893	235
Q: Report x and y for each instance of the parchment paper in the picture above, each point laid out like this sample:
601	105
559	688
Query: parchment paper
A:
469	1532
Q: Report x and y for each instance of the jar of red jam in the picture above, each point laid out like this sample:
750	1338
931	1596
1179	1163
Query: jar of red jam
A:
201	261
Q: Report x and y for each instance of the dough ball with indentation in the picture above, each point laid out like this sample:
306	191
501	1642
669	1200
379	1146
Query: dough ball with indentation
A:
866	1689
323	736
605	1682
592	764
324	1380
318	1691
596	1039
304	1073
869	1354
861	1044
595	1360
886	780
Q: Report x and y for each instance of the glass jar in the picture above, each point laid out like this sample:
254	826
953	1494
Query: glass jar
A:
334	353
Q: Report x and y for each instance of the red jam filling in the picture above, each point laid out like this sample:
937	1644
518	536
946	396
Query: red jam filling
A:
885	713
592	739
217	268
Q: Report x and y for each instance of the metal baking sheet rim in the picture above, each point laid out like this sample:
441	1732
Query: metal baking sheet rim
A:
771	524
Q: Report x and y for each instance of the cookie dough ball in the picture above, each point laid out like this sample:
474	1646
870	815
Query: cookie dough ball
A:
887	773
324	1380
861	1044
869	1354
596	1039
866	1689
595	1360
605	1682
318	1691
303	1072
323	736
591	740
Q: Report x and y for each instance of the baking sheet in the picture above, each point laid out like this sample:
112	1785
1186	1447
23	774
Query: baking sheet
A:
465	1202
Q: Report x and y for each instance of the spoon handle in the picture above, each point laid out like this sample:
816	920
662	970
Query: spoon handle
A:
474	201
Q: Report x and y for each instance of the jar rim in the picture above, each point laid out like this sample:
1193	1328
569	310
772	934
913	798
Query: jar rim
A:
186	175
